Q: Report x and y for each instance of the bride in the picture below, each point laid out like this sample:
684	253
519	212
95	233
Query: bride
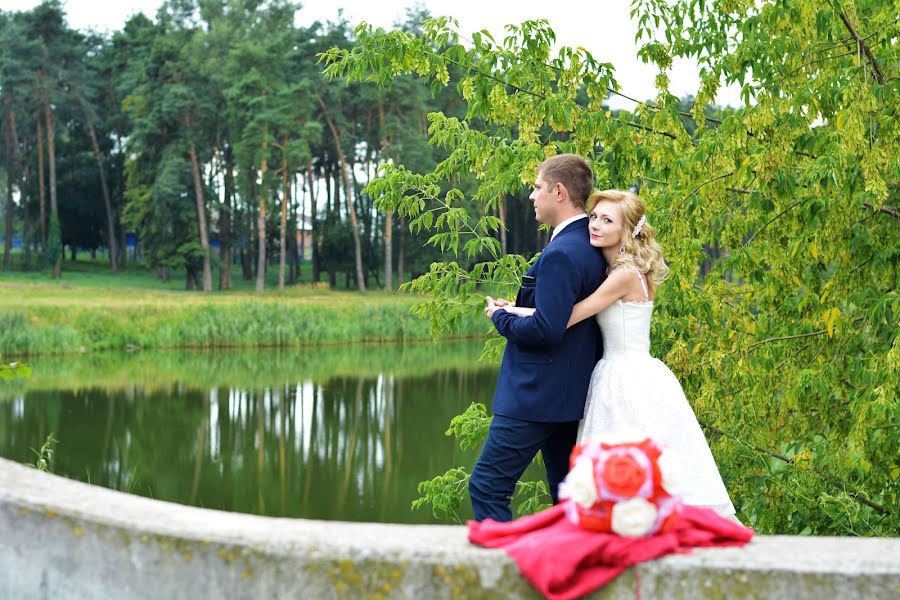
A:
630	391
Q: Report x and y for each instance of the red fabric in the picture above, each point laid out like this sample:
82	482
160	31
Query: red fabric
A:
564	561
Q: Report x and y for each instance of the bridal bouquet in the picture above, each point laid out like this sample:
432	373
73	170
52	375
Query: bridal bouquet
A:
624	487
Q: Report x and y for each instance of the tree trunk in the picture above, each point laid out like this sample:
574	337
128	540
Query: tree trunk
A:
293	251
332	214
246	267
401	253
8	220
345	174
261	218
54	208
300	218
389	215
365	225
26	232
21	176
388	251
247	249
42	192
201	217
285	200
310	182
120	204
107	203
226	223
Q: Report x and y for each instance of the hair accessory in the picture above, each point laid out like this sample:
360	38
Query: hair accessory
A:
637	228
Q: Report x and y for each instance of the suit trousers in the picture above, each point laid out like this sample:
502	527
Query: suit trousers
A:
509	449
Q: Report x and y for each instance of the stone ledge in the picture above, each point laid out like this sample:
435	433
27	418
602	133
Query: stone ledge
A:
64	539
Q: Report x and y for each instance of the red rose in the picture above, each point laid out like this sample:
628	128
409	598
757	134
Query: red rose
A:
598	517
623	475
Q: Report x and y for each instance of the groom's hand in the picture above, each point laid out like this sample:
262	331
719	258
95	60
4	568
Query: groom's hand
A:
491	307
495	303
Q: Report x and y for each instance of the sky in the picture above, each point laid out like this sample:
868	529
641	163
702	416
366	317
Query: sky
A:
604	28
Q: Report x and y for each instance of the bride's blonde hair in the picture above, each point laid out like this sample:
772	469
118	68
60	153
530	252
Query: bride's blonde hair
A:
642	252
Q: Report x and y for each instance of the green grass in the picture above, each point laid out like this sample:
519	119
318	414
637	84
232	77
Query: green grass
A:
97	273
90	309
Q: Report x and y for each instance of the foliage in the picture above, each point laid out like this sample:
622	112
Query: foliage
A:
15	370
446	493
46	455
471	427
207	128
779	219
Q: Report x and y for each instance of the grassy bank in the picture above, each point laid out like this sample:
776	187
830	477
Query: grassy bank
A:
95	311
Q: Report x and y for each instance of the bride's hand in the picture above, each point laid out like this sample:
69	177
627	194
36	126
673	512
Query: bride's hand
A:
520	311
494	304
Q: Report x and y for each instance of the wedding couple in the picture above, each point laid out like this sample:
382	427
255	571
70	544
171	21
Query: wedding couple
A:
561	381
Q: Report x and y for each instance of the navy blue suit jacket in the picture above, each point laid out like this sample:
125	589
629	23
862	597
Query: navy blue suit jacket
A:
546	368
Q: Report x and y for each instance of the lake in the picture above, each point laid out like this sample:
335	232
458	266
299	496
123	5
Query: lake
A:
338	433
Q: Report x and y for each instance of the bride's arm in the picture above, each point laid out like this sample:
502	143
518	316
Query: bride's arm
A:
615	287
519	311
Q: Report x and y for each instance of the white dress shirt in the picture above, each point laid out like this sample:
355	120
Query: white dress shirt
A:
562	225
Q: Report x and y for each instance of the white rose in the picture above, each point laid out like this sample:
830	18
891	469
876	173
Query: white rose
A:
580	485
633	518
670	469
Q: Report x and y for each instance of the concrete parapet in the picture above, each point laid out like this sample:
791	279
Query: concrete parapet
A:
62	539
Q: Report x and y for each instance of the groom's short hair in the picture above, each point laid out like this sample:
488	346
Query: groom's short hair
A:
571	170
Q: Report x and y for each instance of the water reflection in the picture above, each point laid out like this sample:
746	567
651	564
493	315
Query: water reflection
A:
325	447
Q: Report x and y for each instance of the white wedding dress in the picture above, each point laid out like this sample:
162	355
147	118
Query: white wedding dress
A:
630	391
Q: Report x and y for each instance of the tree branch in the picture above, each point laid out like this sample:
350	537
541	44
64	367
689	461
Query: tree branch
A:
651	130
696	189
718	431
770	221
886	209
879	76
835	483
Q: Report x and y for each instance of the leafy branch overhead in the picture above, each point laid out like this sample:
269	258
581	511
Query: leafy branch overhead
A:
779	220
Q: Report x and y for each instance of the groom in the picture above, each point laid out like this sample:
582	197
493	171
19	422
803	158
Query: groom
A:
543	381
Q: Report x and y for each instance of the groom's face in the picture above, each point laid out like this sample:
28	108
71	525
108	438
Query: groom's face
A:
544	197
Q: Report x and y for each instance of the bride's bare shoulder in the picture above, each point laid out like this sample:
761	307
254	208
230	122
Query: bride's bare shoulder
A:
628	280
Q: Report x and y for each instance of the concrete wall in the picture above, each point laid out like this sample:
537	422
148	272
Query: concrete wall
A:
61	539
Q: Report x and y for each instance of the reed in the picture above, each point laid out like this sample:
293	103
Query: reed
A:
38	319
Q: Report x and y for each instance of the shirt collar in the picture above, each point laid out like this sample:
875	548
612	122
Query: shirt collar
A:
563	225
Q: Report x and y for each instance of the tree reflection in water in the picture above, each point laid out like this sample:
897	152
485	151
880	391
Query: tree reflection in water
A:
315	445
